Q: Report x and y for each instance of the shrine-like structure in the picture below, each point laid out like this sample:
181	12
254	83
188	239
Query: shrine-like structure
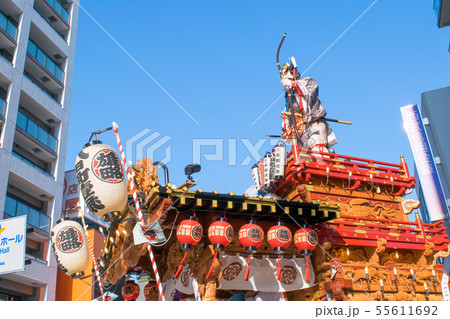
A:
367	248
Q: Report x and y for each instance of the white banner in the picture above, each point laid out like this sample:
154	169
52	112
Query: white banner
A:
263	273
12	244
184	284
426	167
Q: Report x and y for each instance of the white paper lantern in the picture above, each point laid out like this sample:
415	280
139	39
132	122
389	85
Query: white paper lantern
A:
70	248
279	157
267	169
256	176
101	178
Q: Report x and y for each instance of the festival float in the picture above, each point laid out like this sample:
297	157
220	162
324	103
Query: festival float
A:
318	226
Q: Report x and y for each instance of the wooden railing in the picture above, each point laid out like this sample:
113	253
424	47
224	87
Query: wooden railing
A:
354	230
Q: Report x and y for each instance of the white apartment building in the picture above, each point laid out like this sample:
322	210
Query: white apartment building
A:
37	49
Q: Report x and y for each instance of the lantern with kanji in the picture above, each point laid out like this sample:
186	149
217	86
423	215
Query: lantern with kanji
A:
130	291
70	248
279	238
266	162
102	180
279	154
256	176
189	233
305	239
220	234
251	237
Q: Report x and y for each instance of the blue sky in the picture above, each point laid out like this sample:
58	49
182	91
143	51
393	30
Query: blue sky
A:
217	60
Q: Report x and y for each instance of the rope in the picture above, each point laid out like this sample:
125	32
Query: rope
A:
91	250
138	209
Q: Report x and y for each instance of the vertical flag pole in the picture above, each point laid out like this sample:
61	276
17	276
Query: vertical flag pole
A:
91	250
138	209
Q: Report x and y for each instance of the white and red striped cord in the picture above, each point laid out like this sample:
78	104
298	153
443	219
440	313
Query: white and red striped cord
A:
138	209
91	250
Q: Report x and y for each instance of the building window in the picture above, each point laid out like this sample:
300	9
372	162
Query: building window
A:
42	87
58	7
36	166
8	26
2	107
38	55
56	14
15	207
8	37
36	131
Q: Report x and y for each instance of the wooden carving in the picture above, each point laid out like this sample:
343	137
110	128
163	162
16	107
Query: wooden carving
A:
207	286
361	207
144	173
175	256
441	254
381	247
426	257
125	254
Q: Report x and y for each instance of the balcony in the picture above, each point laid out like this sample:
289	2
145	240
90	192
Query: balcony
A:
54	97
40	169
15	207
7	26
44	72
8	37
2	109
37	133
38	56
55	14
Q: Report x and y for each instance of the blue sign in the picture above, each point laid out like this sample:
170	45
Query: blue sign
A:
12	244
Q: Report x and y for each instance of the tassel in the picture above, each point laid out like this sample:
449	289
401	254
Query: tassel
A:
279	268
296	151
247	271
307	269
212	266
180	268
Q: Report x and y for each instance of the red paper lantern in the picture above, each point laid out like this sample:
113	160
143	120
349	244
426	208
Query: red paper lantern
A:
148	288
279	238
130	291
189	233
251	237
220	234
305	240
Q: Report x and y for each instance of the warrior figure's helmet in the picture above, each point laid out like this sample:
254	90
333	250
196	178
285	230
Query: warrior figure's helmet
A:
288	69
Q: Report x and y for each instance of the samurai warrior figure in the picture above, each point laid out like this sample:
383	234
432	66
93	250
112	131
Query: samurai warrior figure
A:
302	95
